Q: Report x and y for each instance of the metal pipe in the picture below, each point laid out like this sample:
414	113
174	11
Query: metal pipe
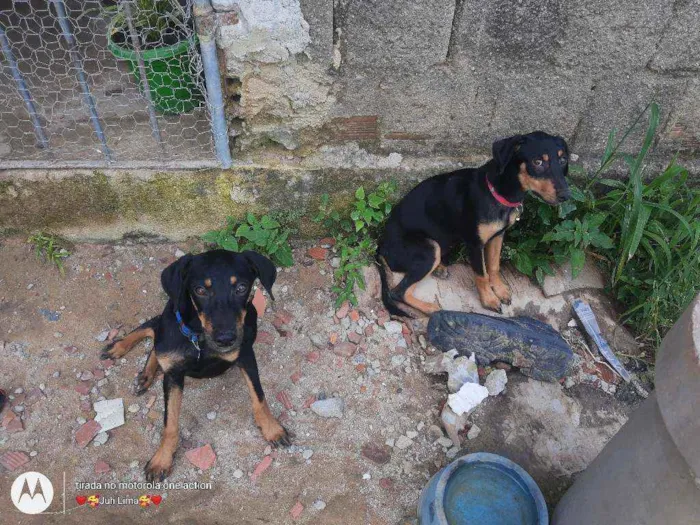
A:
82	79
155	129
206	26
23	90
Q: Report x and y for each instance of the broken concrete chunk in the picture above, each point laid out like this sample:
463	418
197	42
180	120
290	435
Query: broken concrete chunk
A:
468	398
460	369
331	407
531	345
453	424
109	413
496	382
474	432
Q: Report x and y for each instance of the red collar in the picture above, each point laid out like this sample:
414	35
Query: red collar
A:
500	198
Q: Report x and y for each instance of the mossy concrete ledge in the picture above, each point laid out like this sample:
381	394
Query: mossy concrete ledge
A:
107	205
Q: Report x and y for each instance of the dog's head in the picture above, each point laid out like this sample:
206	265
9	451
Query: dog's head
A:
541	161
217	285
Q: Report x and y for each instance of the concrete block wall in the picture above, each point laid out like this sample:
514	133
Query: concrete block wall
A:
321	79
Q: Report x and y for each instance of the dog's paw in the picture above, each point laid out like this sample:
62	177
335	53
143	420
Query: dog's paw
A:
276	434
112	351
502	291
143	383
159	467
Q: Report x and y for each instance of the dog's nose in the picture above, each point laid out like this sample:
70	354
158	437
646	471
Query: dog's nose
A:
225	338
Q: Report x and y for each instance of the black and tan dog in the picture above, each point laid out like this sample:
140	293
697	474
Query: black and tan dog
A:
470	206
208	326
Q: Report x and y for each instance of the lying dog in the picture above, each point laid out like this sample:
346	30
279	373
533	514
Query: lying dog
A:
208	326
470	206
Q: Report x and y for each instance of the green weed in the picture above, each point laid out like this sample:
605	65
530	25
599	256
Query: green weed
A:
49	248
355	232
266	235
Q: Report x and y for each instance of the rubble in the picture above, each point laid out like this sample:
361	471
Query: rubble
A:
109	413
332	407
467	398
496	382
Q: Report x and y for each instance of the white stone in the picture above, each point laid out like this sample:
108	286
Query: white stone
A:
319	504
331	407
462	370
109	413
390	442
473	432
393	327
467	398
211	416
496	382
100	439
411	434
307	453
403	442
366	475
238	473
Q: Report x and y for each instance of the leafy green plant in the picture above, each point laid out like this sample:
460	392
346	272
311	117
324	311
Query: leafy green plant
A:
355	232
49	248
265	235
644	231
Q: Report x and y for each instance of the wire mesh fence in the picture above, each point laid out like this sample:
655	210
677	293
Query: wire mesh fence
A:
89	82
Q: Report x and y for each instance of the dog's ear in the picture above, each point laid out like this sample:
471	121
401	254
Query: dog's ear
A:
264	269
504	149
173	280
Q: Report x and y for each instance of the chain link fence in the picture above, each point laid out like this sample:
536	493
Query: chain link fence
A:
101	83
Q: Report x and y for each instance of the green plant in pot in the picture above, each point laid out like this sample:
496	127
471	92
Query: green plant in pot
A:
165	38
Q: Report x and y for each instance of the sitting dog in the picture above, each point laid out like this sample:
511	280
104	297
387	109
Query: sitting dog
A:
470	206
207	326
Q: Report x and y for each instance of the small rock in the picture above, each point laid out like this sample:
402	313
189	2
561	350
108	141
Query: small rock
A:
331	407
420	426
33	454
473	432
81	420
19	390
134	464
444	442
434	433
296	510
100	439
354	337
335	262
379	454
319	341
386	483
202	457
268	450
452	452
393	327
238	473
307	454
313	356
102	336
211	416
366	475
260	468
179	253
343	310
317	253
496	382
86	375
467	398
453	423
319	504
134	408
110	413
403	442
101	467
411	434
390	442
345	349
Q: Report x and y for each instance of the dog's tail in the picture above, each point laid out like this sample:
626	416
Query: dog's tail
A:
389	303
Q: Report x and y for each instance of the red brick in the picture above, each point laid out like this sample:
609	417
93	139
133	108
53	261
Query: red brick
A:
327	241
361	368
13	459
98	374
259	302
354	337
101	467
369	330
318	253
376	452
313	356
86	432
354	315
295	377
264	337
203	457
284	398
296	511
343	310
82	389
260	468
309	401
15	425
107	363
345	349
358	127
386	483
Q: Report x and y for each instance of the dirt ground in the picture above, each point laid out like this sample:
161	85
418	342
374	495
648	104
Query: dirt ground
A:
347	470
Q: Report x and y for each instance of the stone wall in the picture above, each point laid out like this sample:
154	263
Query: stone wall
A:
326	80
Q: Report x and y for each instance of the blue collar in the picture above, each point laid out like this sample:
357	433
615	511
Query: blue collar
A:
190	334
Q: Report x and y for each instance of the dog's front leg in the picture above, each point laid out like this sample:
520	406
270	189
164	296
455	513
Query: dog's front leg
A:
271	429
483	285
493	268
161	464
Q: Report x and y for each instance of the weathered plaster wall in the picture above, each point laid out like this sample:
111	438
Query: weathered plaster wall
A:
446	77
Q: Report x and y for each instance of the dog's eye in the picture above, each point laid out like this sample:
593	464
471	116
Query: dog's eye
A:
563	161
200	290
537	162
241	289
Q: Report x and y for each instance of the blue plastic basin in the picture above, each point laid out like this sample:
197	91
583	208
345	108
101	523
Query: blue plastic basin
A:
483	489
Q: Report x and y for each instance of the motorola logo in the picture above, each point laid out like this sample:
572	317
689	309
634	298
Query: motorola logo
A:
32	492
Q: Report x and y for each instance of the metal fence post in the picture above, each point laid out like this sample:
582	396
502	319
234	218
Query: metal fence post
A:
144	78
23	90
206	25
82	79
